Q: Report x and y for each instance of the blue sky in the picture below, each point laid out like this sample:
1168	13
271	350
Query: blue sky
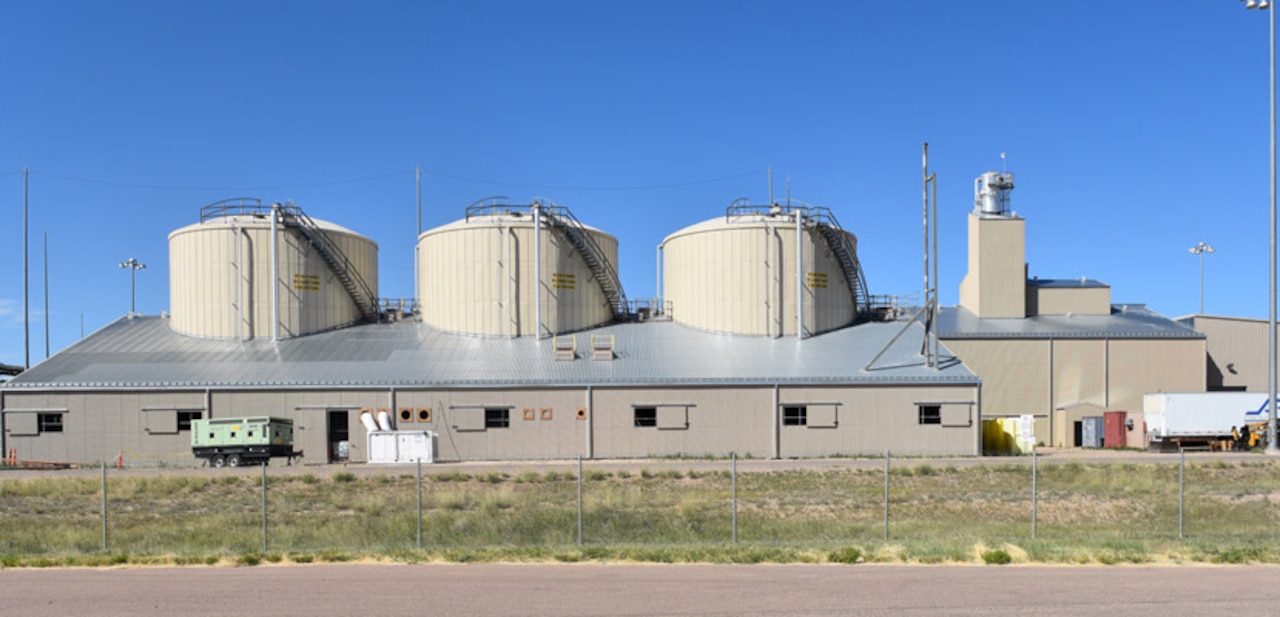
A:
1135	130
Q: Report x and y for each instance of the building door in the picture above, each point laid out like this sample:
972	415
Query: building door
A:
338	435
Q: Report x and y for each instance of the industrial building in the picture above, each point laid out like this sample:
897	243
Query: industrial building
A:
522	344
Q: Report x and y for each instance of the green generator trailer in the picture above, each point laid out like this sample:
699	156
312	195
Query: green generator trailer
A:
232	442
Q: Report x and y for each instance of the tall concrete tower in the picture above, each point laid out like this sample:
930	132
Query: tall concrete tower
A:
996	284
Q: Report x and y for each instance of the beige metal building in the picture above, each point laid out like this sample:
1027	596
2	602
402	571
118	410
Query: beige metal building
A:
133	388
1057	349
1237	351
771	350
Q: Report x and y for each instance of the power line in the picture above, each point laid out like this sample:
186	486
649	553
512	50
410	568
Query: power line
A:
439	174
216	188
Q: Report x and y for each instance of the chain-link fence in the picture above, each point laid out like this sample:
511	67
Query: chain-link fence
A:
941	508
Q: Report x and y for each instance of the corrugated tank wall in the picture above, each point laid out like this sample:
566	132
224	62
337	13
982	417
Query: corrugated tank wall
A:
479	277
740	277
220	279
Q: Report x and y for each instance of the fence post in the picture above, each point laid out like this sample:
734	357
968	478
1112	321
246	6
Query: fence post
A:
419	503
1182	471
734	475
264	506
1035	473
104	506
886	494
579	500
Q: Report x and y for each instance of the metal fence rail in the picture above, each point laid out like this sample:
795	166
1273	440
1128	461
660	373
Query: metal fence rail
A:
593	504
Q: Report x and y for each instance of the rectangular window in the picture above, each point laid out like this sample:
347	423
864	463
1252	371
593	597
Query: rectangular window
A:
495	417
797	415
185	418
49	422
646	416
930	414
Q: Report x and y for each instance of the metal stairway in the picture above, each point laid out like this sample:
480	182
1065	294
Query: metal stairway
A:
605	274
846	253
364	297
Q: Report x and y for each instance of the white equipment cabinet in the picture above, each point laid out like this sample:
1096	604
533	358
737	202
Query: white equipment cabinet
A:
401	446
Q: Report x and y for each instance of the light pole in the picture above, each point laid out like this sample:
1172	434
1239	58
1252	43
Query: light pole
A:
133	265
1272	447
1201	249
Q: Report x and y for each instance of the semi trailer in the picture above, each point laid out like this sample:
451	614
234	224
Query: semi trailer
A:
232	442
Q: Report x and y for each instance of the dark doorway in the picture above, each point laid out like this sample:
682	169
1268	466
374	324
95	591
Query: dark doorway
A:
338	434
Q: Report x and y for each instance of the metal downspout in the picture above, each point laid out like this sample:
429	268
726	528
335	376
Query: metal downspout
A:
275	274
799	276
537	271
1053	403
773	425
591	424
208	402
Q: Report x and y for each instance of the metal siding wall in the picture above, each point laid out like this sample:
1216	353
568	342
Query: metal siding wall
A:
1140	367
995	285
561	436
1079	372
1074	300
1015	373
1238	351
721	421
875	419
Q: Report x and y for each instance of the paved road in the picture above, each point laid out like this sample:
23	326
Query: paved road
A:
639	591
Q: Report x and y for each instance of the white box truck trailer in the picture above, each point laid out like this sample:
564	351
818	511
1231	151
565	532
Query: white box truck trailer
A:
1200	417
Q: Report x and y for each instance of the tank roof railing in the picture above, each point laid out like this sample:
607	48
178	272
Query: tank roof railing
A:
251	206
246	206
490	206
742	208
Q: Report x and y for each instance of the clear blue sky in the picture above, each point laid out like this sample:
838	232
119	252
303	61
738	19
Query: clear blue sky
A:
1135	130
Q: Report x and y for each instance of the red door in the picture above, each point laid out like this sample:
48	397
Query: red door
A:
1114	430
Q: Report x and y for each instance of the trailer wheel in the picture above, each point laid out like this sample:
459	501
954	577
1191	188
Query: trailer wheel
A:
233	460
217	461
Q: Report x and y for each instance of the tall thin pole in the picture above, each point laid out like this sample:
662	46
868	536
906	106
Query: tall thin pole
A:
933	331
1272	447
417	293
26	287
1201	283
924	216
46	294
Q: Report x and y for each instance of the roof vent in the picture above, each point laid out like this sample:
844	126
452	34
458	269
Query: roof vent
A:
566	347
602	347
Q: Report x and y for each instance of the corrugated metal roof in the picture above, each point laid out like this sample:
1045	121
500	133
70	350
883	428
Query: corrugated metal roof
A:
1080	283
1125	321
144	352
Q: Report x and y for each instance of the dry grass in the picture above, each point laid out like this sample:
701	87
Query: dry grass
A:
1099	514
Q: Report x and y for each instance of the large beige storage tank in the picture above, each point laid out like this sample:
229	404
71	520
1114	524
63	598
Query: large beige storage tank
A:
738	274
220	274
480	275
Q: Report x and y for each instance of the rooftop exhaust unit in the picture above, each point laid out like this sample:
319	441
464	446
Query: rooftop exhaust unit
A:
991	193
